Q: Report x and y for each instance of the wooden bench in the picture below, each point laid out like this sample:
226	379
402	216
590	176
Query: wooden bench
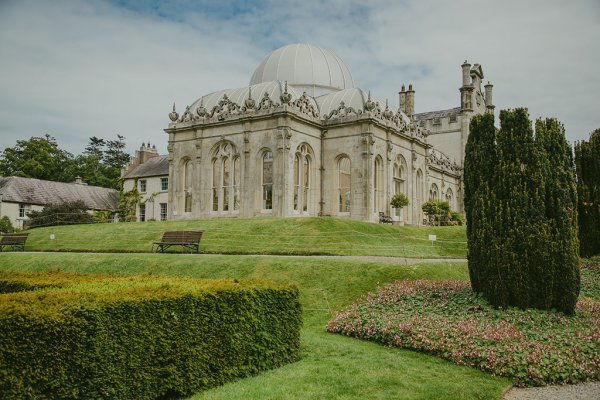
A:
13	240
188	240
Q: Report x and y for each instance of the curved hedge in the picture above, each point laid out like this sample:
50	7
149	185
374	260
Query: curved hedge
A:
141	337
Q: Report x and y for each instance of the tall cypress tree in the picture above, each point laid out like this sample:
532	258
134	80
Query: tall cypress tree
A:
521	219
480	160
587	163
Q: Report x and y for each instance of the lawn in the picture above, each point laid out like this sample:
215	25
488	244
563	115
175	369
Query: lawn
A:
285	236
332	366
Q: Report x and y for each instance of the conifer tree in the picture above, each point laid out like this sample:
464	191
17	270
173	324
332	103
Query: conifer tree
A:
480	161
521	217
587	163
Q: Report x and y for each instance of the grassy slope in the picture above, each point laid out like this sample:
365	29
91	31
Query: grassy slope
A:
326	235
332	366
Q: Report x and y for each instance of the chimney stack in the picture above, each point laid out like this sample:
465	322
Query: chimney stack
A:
466	78
410	101
488	97
402	94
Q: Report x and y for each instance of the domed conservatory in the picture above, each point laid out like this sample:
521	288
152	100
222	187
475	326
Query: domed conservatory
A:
302	140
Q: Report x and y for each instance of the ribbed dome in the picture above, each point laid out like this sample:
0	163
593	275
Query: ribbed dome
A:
308	68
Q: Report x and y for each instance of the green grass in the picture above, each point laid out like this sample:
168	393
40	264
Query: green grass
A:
301	236
332	366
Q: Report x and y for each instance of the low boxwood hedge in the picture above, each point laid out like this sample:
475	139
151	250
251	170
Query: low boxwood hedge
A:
142	337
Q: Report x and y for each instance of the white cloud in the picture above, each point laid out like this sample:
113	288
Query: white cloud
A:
81	69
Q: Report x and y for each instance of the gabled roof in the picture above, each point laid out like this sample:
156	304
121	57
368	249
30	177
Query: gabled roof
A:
36	191
155	166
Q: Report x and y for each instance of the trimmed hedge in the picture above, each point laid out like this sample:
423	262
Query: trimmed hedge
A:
141	337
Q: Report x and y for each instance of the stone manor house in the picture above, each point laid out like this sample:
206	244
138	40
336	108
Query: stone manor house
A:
303	140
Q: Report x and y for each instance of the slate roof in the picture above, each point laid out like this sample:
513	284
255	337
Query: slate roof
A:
438	114
36	191
155	166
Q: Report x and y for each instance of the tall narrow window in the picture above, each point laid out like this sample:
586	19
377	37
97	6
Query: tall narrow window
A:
164	184
297	182
267	181
226	182
216	184
419	193
302	178
237	174
306	182
226	178
163	211
187	185
450	198
344	178
143	186
142	212
378	185
399	180
21	210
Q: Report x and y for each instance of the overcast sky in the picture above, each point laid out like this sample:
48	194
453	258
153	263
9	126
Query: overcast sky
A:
76	69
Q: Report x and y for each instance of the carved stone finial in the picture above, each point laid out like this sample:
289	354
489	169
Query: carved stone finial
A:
249	103
370	104
387	113
200	110
285	97
173	116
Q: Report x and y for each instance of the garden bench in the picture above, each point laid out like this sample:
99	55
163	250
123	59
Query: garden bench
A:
13	240
384	219
188	240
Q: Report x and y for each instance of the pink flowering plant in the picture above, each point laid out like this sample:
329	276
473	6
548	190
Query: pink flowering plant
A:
449	320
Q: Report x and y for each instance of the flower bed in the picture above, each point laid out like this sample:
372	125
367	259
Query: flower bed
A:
449	320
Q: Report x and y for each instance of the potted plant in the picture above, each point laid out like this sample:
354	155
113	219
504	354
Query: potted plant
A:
399	201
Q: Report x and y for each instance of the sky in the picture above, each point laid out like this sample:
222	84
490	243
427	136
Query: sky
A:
74	69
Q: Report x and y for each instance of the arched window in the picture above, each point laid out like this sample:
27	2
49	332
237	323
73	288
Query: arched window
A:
419	193
433	192
267	180
302	181
399	180
187	171
225	181
344	179
450	198
378	185
237	175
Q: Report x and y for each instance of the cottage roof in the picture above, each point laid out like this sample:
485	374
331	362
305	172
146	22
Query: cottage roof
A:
155	166
36	191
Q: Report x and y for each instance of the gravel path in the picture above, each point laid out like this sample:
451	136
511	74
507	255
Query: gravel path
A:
582	391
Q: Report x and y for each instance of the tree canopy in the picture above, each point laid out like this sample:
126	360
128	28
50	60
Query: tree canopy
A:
40	157
521	215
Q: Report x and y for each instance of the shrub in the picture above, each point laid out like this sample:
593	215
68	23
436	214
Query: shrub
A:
437	211
141	337
587	164
6	225
399	200
521	212
74	212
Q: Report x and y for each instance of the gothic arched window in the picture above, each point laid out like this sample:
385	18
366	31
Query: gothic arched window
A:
433	192
399	179
187	171
344	179
302	178
267	180
225	178
378	185
450	198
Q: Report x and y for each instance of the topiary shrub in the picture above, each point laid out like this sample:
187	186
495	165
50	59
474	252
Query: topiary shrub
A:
521	212
140	337
6	225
